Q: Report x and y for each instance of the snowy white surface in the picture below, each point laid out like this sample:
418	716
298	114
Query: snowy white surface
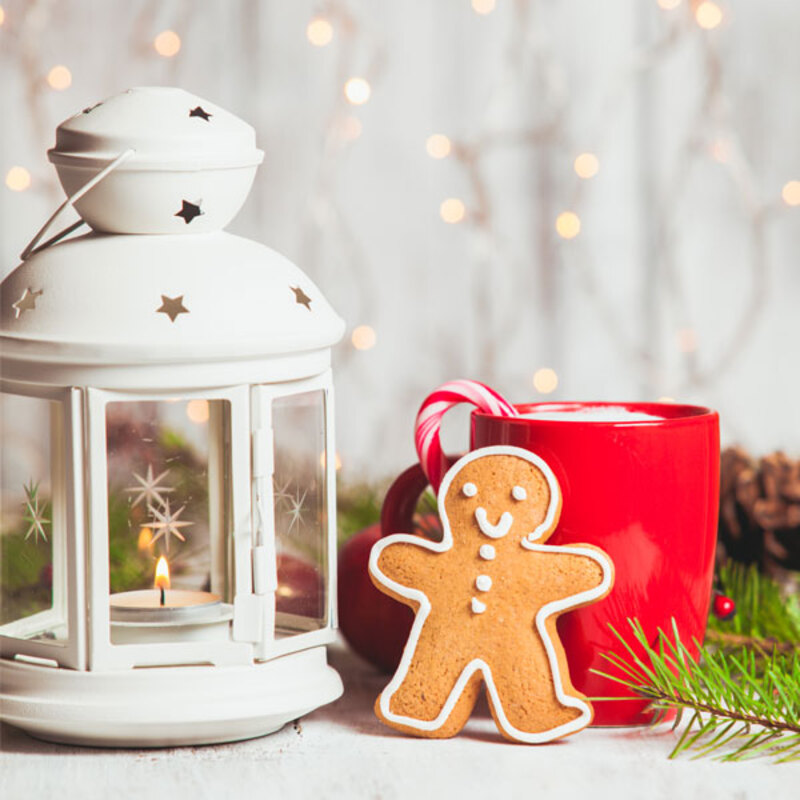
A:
343	751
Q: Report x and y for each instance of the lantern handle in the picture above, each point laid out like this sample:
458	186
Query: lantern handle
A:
69	202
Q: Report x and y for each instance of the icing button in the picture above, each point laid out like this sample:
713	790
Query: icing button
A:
469	489
483	583
477	606
487	552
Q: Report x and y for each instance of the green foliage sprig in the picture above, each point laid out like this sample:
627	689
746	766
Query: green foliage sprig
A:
741	706
764	619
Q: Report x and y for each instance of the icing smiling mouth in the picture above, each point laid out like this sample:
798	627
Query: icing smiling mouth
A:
497	531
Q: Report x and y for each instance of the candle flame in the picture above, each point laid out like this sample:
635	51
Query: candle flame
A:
162	574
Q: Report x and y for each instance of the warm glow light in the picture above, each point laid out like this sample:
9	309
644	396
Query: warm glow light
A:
363	337
357	91
197	411
167	43
666	399
545	380
438	146
162	574
483	7
350	128
452	210
708	15
2	15
145	538
319	32
668	5
568	224
18	179
687	340
791	193
721	151
337	461
59	78
586	165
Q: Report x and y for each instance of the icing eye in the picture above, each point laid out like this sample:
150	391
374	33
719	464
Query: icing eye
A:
519	493
469	489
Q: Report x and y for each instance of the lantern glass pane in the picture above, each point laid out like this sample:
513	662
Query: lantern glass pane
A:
301	514
168	495
32	520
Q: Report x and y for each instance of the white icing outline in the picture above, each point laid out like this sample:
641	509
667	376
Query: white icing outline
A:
497	531
469	489
487	552
519	493
478	664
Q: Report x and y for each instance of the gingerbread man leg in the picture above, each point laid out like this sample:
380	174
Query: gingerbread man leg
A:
423	697
522	700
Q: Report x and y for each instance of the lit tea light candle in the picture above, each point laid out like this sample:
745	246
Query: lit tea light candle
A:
162	613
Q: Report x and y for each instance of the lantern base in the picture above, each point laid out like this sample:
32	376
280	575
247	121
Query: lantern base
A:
165	706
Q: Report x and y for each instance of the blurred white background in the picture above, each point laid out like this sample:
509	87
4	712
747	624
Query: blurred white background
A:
674	273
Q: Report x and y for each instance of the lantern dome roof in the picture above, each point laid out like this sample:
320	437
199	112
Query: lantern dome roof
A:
104	299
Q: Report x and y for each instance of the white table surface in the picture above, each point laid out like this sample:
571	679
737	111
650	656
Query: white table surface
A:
343	751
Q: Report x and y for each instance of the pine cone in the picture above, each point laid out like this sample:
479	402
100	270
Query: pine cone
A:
759	520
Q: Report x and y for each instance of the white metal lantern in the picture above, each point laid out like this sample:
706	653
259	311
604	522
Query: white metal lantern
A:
167	422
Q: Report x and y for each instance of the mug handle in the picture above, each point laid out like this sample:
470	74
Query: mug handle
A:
400	503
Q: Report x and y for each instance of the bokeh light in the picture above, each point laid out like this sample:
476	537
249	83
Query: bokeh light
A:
708	15
18	179
363	337
687	340
167	44
545	380
319	31
357	91
791	193
452	210
197	411
438	146
59	78
568	224
483	7
586	165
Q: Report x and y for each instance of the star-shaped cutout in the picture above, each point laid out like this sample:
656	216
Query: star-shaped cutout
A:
296	508
166	522
301	298
27	302
189	211
148	488
34	513
200	112
172	306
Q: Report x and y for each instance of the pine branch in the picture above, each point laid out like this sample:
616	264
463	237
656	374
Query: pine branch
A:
742	705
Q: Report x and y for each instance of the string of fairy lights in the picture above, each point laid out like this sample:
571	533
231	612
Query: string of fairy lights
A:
334	20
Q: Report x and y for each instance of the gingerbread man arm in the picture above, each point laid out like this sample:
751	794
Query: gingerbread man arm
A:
401	565
578	573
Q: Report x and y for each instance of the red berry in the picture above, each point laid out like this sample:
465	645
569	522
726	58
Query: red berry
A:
724	607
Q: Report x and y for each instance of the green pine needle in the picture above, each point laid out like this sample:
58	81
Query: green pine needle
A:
742	704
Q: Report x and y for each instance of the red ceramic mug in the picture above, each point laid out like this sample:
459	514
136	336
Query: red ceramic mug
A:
639	480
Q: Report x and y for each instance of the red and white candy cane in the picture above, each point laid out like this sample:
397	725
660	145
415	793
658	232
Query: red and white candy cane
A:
436	405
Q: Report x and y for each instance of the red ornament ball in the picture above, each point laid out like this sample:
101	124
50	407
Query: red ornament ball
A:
724	607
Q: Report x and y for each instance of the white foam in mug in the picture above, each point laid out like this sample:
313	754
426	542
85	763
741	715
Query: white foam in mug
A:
593	414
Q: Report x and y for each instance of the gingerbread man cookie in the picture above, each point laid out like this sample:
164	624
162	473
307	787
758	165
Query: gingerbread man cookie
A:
487	598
